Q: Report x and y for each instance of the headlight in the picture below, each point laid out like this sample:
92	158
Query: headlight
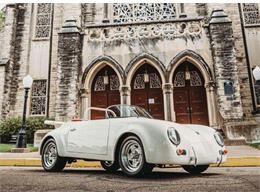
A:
173	136
219	139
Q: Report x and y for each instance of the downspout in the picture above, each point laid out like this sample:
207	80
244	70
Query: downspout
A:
50	59
247	60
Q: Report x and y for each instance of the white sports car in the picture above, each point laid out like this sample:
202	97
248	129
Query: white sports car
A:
130	139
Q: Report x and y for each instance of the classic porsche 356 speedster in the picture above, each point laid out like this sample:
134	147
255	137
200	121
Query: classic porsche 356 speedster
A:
130	139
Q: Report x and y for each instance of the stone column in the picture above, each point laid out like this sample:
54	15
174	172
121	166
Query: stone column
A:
211	104
224	62
85	96
168	101
69	66
125	94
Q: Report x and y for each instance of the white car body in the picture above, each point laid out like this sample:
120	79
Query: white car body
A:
99	139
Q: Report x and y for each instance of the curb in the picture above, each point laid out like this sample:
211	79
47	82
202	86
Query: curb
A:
252	161
35	162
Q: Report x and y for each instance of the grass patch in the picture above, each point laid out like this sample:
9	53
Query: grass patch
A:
8	147
255	145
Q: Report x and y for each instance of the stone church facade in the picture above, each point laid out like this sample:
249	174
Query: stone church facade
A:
189	63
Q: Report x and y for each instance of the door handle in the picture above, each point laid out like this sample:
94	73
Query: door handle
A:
189	109
73	129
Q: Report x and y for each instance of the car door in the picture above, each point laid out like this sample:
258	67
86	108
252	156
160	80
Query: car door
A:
89	137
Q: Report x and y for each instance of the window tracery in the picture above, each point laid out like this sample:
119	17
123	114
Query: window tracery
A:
251	13
38	98
137	12
139	82
43	20
114	82
195	79
99	84
155	81
179	80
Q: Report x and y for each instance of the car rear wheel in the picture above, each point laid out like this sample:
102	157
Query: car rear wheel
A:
51	161
110	166
195	169
132	158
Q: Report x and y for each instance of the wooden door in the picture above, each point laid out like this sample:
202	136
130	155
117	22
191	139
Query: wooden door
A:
148	94
190	101
104	95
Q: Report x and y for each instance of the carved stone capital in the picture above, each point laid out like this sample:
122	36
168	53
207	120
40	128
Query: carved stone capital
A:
84	92
210	85
167	88
125	90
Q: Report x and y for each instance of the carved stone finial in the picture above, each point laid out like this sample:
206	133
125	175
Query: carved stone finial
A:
70	26
219	16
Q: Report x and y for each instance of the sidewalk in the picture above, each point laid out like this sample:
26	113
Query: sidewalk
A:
237	156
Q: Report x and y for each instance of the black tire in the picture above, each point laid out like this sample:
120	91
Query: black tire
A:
110	166
58	163
195	169
143	167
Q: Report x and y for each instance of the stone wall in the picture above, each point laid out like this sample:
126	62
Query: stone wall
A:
21	58
57	23
245	92
225	67
7	53
69	66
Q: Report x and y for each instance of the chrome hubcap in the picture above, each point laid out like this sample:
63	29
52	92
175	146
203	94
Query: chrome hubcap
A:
131	156
50	154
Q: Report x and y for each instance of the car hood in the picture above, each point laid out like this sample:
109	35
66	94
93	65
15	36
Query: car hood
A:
190	132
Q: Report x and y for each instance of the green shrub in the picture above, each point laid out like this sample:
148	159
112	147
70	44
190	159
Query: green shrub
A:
11	126
2	18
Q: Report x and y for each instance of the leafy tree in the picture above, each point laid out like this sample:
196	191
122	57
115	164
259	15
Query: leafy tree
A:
2	18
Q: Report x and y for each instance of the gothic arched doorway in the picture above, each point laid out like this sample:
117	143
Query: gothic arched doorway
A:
146	91
104	91
189	93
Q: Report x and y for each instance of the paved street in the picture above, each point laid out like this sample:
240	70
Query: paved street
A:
93	179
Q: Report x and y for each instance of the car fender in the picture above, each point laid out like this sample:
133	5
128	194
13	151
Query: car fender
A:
150	137
59	135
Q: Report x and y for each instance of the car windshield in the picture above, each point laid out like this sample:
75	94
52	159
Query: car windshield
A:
124	111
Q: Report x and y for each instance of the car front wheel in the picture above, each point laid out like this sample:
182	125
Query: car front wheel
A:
51	161
132	158
195	169
110	166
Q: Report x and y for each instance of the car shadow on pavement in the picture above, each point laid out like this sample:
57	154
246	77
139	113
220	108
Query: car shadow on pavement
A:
119	174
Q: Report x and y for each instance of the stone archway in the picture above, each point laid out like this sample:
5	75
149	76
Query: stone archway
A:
104	91
135	67
97	69
146	90
197	61
189	93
